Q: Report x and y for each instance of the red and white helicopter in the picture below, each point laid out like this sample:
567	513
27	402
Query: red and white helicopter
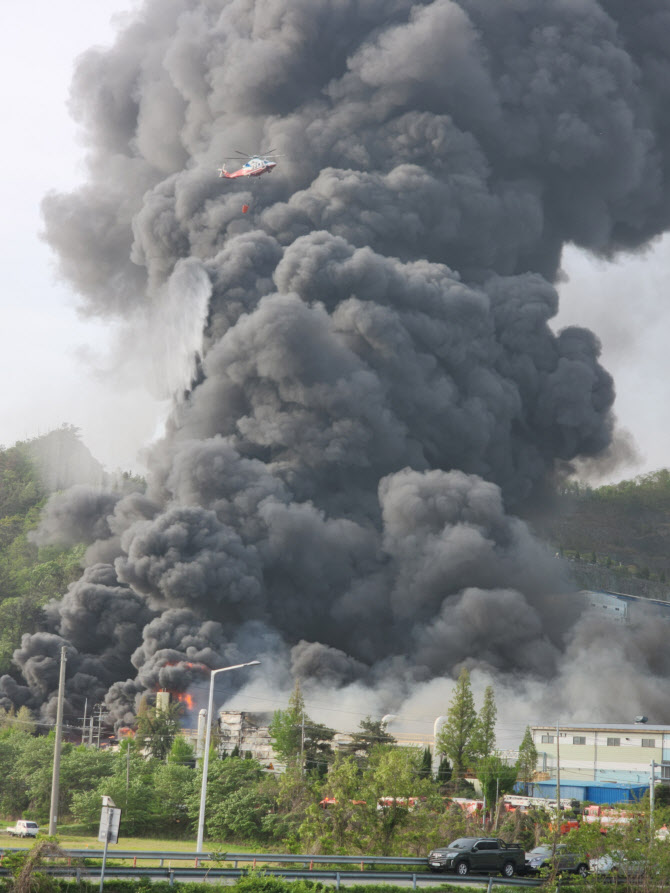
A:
254	167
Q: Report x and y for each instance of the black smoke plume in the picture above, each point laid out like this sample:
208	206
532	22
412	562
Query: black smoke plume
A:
366	384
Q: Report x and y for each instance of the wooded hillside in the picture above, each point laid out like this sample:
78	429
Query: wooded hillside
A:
30	575
617	535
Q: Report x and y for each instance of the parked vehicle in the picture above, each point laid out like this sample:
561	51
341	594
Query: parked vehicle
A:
558	858
478	854
617	863
23	829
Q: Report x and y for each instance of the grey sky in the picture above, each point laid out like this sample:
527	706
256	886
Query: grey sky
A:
45	348
625	303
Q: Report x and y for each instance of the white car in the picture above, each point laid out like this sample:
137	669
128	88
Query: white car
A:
23	829
617	863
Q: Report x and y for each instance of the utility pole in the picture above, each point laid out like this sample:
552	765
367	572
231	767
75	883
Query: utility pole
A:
557	819
127	770
558	769
83	725
302	744
99	724
55	778
652	796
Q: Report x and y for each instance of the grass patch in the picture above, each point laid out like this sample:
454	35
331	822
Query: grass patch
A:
90	841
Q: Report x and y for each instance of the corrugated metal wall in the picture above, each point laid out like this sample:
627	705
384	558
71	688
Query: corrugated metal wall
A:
595	793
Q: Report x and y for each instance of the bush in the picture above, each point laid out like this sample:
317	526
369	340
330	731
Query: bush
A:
254	882
258	882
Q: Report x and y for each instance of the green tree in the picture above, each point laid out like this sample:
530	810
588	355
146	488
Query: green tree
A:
456	737
157	728
13	785
286	728
393	779
444	771
240	816
372	732
496	776
182	752
335	825
142	807
174	784
291	793
484	734
20	720
527	760
317	749
367	810
225	778
34	766
298	739
426	770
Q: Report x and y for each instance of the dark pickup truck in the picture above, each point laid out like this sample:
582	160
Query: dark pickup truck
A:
487	855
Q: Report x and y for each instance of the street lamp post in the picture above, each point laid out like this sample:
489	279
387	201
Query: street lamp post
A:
437	728
652	795
205	756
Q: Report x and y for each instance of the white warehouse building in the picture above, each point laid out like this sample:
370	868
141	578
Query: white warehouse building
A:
604	752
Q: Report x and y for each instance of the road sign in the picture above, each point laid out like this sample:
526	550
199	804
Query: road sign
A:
109	825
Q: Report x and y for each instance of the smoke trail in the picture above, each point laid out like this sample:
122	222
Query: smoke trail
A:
375	384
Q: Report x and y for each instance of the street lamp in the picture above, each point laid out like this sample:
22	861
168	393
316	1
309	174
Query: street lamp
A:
205	756
437	728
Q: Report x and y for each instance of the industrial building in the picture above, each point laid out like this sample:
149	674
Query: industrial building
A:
603	752
248	732
621	607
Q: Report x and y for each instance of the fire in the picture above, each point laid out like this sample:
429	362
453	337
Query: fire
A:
185	663
185	699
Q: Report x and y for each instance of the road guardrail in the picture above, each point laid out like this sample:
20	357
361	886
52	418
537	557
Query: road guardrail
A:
172	874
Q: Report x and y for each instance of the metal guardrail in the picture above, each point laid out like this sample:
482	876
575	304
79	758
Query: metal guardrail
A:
203	867
171	874
199	858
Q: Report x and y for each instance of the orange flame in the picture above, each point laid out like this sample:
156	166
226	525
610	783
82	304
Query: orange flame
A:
185	699
182	697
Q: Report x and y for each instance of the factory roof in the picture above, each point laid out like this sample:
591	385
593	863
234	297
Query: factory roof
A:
605	726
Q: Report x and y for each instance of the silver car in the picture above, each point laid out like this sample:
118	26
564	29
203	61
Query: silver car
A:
559	857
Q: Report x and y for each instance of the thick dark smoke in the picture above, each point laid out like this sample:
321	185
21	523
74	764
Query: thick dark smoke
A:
366	382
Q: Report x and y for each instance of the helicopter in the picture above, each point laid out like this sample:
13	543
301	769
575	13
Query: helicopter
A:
255	166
